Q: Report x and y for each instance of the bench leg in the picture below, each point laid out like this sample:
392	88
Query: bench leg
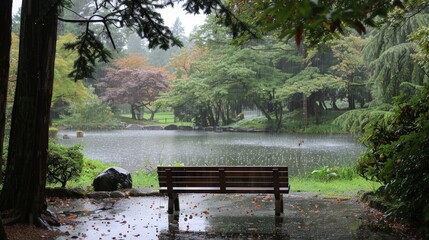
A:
176	203
173	202
279	204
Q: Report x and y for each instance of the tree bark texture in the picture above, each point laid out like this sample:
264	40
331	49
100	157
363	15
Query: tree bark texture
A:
25	180
5	40
305	109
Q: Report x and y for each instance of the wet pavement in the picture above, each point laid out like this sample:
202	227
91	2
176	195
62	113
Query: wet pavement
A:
212	216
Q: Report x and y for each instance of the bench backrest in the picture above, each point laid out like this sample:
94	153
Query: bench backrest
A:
224	179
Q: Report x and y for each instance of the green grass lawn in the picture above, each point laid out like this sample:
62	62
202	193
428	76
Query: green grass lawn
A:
160	118
340	187
345	187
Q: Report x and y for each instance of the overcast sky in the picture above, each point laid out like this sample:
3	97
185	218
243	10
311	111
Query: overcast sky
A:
189	21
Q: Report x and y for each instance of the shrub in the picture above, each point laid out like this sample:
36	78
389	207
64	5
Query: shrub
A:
397	156
53	132
64	163
327	174
91	115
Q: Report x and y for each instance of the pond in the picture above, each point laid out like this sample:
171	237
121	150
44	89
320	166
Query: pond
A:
145	149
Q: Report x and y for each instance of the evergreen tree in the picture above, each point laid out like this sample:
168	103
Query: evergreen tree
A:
389	54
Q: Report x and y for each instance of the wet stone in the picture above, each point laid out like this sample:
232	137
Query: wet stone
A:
98	195
153	127
171	127
134	127
117	194
112	179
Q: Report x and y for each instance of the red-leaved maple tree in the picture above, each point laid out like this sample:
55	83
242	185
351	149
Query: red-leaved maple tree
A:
135	86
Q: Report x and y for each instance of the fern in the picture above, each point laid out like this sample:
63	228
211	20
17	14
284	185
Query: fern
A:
355	121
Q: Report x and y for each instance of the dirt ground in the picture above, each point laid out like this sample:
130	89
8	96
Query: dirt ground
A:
28	232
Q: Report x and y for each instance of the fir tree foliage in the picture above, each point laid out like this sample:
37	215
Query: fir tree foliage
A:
389	54
357	120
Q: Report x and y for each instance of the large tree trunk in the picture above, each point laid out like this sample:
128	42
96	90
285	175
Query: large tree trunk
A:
5	40
305	109
24	185
133	114
350	96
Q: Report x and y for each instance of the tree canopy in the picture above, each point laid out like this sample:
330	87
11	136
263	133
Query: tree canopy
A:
137	87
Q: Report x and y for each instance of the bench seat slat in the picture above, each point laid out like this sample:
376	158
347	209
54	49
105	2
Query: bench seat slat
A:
227	168
227	174
227	190
227	184
227	179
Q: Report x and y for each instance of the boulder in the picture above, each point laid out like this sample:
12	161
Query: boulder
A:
112	179
152	127
134	127
171	127
117	194
186	128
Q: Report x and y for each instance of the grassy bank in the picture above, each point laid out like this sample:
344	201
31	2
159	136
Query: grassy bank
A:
161	118
292	122
338	187
345	183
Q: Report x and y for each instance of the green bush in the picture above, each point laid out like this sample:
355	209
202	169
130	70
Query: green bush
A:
91	115
64	164
53	132
397	156
327	174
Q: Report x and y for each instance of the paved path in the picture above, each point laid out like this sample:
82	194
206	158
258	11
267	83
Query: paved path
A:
209	216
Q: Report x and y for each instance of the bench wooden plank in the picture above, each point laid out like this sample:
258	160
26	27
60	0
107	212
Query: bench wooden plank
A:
223	179
227	168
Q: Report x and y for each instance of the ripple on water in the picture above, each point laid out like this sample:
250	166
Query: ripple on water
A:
134	150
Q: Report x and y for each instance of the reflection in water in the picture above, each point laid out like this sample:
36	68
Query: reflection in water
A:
135	150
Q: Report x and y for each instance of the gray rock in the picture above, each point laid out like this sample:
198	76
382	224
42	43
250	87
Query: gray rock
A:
134	127
186	128
171	127
117	194
153	127
112	179
98	195
135	192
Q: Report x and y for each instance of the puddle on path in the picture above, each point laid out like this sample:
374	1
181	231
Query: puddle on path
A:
208	216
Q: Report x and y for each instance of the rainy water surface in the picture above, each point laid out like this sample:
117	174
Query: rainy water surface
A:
141	150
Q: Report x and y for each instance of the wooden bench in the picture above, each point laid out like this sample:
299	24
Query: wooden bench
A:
223	179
